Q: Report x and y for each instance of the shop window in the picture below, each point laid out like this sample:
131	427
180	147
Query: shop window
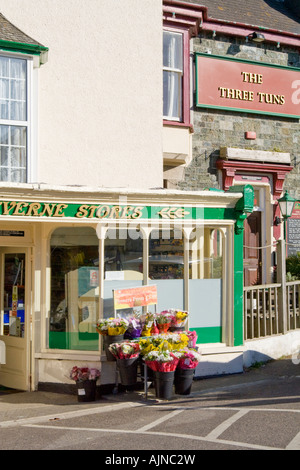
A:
14	120
205	284
74	306
176	76
123	264
166	267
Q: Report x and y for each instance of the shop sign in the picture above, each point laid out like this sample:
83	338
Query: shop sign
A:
247	86
96	211
12	233
135	297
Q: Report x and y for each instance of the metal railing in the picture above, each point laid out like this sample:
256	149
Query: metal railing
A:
264	311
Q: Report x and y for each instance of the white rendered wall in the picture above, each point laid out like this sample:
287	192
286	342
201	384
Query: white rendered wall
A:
100	93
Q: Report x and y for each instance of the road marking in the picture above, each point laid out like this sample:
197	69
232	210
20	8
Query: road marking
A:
226	424
163	434
69	414
159	421
295	443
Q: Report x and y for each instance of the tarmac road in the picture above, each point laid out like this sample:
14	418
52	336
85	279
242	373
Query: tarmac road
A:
256	410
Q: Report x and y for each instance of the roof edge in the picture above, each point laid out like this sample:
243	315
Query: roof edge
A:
228	27
24	48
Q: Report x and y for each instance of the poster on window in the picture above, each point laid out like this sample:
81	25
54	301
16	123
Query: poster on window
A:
135	297
293	231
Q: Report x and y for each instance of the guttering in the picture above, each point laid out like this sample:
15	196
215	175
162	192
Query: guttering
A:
24	48
173	7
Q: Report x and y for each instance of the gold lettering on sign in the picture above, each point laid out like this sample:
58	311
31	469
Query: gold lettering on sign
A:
126	214
59	208
269	98
236	94
92	211
7	208
102	212
48	209
252	77
18	207
33	209
82	211
245	95
137	212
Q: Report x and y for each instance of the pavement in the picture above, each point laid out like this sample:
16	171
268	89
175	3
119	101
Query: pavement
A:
17	406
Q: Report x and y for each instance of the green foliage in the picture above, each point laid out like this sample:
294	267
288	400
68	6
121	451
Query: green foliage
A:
293	267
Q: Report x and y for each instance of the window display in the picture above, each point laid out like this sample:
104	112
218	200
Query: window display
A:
74	289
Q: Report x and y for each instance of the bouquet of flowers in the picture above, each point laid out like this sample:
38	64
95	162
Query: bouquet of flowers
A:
176	341
112	326
163	317
162	361
80	374
192	335
189	359
102	326
179	317
147	324
117	326
134	329
125	350
169	341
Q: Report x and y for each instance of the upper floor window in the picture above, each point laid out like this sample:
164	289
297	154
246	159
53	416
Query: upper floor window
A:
176	76
13	119
172	75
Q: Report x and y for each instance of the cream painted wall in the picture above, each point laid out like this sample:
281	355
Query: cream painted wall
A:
100	93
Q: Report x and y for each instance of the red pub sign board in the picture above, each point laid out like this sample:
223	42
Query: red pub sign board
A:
247	86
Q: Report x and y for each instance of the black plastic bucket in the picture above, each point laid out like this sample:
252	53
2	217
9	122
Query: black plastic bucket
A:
164	384
107	340
128	371
183	381
86	390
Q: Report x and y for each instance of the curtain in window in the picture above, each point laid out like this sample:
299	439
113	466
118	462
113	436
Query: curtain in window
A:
13	108
172	75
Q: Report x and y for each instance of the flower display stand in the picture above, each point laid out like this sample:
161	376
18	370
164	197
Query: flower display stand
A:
164	384
86	390
183	381
128	370
109	339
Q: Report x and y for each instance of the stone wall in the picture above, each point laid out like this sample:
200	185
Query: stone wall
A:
217	128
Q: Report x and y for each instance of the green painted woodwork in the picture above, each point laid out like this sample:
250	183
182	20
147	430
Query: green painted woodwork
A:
206	335
74	341
238	322
11	46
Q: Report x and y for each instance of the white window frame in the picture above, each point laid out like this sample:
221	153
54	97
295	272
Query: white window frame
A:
179	73
31	111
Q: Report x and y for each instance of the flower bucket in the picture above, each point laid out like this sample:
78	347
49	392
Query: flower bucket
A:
177	328
183	381
128	370
107	340
163	327
86	390
164	384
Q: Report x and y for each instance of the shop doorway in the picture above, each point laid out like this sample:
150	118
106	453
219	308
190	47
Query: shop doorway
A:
252	253
14	324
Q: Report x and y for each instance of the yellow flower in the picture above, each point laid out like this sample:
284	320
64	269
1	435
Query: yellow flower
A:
181	315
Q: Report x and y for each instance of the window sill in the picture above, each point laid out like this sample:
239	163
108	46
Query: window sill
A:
179	124
68	355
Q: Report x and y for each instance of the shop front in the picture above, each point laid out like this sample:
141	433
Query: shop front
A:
64	254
